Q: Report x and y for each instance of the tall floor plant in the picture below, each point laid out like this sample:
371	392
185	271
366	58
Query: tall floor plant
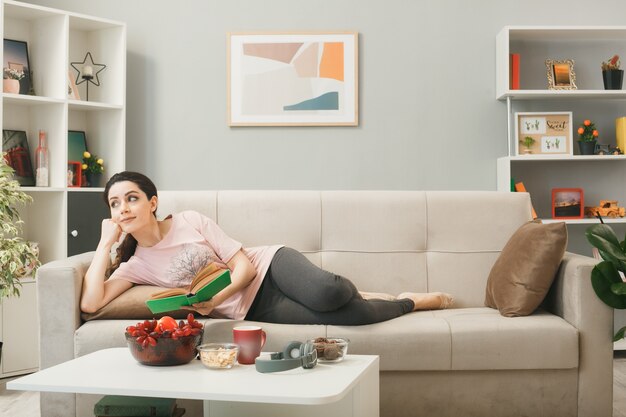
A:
17	256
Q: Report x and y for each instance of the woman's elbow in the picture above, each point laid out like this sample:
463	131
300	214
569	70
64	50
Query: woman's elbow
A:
87	306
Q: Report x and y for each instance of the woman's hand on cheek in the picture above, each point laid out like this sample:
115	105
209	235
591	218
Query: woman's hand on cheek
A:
111	232
204	308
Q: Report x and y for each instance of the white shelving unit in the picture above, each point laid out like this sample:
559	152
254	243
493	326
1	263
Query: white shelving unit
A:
601	177
55	38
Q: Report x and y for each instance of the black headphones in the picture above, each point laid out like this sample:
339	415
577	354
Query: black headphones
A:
294	355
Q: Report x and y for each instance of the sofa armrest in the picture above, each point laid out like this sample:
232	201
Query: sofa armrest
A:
59	285
572	297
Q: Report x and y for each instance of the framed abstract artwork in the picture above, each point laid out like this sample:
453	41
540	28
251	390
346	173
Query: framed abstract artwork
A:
293	79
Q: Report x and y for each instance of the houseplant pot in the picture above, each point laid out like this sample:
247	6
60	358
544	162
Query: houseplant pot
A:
613	79
587	147
11	86
93	178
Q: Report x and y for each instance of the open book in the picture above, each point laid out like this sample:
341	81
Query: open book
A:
208	282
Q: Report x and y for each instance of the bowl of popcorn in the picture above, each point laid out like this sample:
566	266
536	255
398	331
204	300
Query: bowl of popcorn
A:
330	349
218	355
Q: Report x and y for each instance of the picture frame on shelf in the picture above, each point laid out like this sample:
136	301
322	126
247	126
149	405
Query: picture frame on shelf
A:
74	174
292	79
541	134
15	144
568	203
72	89
16	58
76	145
561	75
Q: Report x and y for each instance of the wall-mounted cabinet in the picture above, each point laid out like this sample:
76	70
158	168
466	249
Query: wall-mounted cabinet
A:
600	176
55	39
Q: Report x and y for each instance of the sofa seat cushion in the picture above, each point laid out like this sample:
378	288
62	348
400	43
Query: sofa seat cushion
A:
417	341
483	339
466	339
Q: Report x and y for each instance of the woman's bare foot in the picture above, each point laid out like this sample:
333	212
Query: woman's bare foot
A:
377	296
429	300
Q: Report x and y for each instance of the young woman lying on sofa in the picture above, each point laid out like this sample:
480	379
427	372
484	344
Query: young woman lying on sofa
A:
269	284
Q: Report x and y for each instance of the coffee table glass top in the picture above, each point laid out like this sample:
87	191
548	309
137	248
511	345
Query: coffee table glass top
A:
115	372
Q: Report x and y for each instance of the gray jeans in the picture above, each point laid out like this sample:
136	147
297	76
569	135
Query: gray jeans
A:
295	291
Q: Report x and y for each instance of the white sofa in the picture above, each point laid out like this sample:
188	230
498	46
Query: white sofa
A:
466	361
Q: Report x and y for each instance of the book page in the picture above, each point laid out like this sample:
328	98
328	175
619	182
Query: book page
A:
205	280
168	293
204	272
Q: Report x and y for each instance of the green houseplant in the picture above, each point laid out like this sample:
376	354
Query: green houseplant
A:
18	257
605	277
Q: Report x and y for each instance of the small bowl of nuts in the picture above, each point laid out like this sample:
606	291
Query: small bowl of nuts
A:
218	355
330	349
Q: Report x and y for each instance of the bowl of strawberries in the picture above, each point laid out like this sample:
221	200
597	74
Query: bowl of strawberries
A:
164	342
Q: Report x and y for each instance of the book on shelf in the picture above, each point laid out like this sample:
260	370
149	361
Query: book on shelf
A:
520	188
208	282
514	71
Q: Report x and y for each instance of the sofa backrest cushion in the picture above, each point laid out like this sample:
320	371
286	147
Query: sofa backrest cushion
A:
391	241
525	270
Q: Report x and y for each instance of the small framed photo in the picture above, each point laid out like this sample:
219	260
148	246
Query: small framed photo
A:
16	59
74	174
568	203
15	144
543	134
76	145
561	74
72	89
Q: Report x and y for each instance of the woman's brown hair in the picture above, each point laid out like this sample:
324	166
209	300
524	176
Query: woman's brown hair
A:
127	248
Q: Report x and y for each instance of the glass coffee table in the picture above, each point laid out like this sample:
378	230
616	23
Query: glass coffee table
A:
349	387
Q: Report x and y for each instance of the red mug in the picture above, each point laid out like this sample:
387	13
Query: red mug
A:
251	340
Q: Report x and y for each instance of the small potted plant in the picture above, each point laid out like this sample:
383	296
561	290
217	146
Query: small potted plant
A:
528	143
612	75
587	137
92	167
11	80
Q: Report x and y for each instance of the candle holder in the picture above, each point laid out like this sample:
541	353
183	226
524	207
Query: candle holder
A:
86	72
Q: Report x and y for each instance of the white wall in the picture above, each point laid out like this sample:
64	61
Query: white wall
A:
428	117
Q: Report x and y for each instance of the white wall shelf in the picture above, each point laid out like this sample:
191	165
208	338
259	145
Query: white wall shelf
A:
55	38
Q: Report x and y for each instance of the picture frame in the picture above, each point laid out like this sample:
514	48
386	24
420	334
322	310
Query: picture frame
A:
16	57
550	133
72	89
561	75
74	174
568	203
76	145
15	144
292	79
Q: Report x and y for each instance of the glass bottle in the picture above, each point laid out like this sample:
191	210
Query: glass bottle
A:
41	161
